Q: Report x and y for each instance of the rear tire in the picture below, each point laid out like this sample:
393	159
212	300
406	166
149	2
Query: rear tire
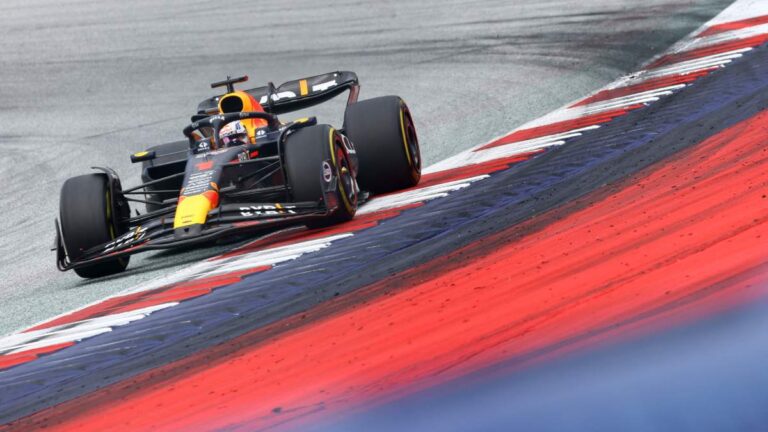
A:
305	151
86	221
384	136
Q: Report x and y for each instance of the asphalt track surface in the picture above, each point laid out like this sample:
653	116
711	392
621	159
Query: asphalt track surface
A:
88	83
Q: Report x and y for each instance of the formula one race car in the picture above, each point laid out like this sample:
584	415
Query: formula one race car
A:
240	169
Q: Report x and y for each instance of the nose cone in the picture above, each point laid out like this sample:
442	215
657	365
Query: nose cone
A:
186	232
192	212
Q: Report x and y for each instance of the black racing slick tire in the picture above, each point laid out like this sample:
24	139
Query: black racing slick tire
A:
86	214
306	153
384	136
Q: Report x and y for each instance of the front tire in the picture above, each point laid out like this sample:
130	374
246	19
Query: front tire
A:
306	151
87	220
384	136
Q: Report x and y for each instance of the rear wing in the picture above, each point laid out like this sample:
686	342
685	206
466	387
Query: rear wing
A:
296	95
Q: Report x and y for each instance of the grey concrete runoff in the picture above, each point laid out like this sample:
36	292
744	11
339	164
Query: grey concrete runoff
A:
87	83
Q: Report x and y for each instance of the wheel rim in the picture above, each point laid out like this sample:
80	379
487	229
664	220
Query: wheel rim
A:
346	181
413	146
411	141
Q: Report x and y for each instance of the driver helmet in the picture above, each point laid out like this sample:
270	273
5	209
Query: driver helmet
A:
233	134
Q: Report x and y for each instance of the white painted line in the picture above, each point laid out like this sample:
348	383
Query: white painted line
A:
272	256
475	156
718	38
259	258
416	195
20	342
689	66
634	99
661	91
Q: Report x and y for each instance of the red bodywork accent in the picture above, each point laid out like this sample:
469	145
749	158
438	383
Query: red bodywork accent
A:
202	166
213	197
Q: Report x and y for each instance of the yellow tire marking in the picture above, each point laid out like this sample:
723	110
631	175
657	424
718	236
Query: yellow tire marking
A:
344	198
405	141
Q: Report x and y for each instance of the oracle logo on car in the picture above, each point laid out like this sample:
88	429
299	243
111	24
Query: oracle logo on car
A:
267	210
277	96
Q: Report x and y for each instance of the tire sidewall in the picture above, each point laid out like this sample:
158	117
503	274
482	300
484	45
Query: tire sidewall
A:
384	136
87	218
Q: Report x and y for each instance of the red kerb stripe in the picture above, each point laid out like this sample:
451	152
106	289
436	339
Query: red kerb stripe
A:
10	360
559	127
734	25
647	85
709	50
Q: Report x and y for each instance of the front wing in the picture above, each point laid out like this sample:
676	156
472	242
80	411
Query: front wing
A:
226	220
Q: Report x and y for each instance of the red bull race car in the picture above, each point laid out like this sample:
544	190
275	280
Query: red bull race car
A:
241	170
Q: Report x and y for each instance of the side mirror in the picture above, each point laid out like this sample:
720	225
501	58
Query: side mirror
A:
142	156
